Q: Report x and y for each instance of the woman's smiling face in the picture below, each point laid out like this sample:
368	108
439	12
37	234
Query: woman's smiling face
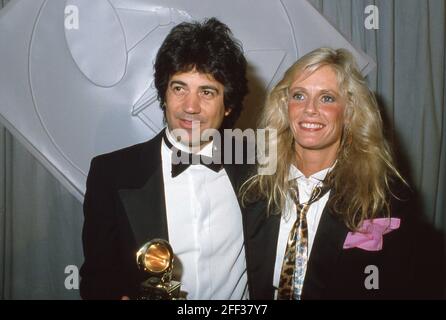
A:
316	110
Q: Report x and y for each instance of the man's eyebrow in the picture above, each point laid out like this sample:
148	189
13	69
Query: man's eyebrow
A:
204	87
177	82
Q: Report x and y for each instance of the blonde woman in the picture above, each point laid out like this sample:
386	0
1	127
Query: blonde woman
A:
329	224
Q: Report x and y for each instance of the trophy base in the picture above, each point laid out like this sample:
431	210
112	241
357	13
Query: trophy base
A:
151	289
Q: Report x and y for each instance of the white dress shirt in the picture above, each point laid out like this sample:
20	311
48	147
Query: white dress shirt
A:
289	215
205	229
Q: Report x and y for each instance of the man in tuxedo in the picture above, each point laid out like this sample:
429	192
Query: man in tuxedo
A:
140	193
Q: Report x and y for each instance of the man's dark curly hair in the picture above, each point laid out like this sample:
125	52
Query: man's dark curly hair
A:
207	47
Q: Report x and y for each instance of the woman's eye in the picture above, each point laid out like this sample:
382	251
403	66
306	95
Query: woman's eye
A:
328	99
298	96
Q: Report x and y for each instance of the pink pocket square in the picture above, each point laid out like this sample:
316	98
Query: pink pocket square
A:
370	235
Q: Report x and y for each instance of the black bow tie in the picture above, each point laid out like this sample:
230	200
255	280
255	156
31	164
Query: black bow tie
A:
181	160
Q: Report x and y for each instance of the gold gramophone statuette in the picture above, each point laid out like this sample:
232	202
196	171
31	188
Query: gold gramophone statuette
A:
156	258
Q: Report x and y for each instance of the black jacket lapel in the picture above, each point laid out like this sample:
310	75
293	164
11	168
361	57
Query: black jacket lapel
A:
324	256
145	204
261	234
241	167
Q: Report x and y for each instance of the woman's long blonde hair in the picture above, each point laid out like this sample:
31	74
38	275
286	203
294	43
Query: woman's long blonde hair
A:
360	180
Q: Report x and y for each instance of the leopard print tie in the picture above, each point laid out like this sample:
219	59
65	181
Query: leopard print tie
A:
295	259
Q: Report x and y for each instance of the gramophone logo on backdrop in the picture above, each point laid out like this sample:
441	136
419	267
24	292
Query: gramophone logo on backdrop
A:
77	75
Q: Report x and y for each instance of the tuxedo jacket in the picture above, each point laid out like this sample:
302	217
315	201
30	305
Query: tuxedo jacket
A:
333	272
124	207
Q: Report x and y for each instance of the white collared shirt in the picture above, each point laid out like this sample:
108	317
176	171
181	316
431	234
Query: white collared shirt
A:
289	215
205	230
